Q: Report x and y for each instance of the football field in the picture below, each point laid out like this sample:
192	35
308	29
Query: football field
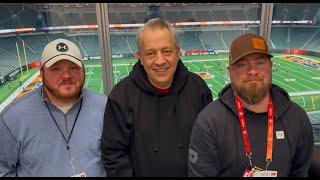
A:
290	72
301	81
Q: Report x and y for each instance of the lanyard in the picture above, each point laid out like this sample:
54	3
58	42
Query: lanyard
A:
54	120
245	136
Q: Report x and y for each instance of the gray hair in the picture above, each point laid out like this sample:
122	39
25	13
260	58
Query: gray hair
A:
157	23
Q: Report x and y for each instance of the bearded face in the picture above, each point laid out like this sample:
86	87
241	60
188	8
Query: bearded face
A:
251	77
63	80
252	91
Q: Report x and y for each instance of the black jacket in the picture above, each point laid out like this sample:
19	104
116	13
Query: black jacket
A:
146	133
216	145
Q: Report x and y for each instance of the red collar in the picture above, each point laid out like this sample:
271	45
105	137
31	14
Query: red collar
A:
162	91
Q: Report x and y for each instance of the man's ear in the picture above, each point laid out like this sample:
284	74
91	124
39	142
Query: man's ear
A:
228	68
41	72
139	56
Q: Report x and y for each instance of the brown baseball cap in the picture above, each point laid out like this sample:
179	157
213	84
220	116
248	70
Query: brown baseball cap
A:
247	44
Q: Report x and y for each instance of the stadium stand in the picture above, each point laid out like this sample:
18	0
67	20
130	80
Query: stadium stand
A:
190	40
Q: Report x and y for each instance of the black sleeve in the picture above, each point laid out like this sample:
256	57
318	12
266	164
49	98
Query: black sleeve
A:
303	155
207	95
203	158
116	139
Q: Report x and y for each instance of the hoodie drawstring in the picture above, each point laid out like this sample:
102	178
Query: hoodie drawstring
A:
156	125
176	114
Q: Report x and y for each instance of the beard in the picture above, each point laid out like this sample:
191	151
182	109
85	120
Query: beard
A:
61	95
252	93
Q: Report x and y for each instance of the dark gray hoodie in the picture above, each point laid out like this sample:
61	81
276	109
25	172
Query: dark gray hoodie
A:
216	145
147	133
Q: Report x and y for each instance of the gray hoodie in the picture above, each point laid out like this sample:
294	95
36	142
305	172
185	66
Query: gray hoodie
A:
216	145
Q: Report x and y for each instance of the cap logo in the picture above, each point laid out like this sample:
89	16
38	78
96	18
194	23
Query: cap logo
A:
62	47
258	44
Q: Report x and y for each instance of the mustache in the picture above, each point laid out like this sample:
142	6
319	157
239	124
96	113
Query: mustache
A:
253	79
66	82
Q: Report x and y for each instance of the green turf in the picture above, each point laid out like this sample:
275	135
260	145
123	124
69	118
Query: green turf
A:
301	81
293	77
9	87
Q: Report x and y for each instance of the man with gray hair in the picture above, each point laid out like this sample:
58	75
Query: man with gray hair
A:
150	113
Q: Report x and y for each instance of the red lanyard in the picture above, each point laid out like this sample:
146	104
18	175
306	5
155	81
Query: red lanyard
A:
245	136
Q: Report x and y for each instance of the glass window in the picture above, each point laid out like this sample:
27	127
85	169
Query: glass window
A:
295	41
25	28
205	31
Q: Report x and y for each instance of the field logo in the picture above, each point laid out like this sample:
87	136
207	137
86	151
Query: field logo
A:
204	75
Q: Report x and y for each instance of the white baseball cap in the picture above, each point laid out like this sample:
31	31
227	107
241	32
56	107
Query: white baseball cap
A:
61	49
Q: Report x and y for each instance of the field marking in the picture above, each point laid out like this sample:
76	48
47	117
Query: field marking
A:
293	68
309	69
18	90
303	93
297	67
215	72
127	69
297	98
90	74
306	58
314	98
213	79
92	66
101	86
299	77
204	60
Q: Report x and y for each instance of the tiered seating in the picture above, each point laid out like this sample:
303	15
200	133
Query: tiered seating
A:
220	16
279	37
118	45
238	15
204	16
229	36
37	43
299	36
133	43
189	40
212	40
91	44
140	16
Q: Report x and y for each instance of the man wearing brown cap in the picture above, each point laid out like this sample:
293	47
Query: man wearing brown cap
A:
253	128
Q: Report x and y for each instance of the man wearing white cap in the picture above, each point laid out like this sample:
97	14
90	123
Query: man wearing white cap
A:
54	130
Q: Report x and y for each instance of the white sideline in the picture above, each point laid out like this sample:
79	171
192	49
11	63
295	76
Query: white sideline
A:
15	93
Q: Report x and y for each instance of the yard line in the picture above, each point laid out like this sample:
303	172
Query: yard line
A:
90	74
311	70
204	60
217	71
101	86
304	93
214	80
300	77
283	84
297	98
306	58
92	66
127	69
